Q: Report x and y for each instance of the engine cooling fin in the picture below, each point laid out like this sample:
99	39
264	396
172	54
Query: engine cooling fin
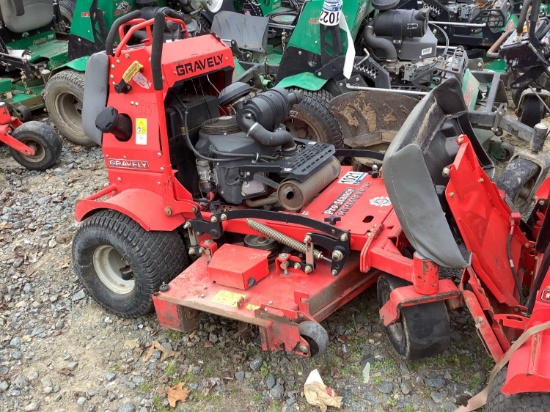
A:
220	126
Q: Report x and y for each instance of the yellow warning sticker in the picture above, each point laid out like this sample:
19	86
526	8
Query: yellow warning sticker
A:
250	306
141	131
227	298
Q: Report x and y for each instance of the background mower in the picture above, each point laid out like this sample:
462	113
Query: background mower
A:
402	64
473	24
526	54
34	145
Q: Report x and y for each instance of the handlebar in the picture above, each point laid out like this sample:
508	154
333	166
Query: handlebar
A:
109	42
158	22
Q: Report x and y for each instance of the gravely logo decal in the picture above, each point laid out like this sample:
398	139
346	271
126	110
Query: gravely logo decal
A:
198	65
129	164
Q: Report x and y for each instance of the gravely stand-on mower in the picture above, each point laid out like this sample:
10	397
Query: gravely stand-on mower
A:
282	234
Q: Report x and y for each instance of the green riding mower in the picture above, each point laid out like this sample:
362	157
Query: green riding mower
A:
397	61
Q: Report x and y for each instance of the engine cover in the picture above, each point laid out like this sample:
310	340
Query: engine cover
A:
409	33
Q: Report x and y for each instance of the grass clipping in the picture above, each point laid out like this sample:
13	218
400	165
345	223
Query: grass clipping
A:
318	394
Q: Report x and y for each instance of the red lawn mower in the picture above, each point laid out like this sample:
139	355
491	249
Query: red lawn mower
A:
281	234
34	145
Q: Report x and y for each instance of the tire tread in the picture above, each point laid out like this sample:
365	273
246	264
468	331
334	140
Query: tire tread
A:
159	256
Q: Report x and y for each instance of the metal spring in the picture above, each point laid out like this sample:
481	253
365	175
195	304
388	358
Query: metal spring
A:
281	238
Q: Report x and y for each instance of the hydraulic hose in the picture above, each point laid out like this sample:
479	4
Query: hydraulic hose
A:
374	42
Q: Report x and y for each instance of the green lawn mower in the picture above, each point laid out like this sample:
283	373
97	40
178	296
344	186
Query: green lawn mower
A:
398	60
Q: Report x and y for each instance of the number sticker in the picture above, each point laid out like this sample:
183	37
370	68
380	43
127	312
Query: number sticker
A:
330	14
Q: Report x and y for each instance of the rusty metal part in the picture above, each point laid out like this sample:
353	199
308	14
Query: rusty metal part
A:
294	195
370	119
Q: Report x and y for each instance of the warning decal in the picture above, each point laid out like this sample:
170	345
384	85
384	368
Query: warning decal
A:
227	298
141	131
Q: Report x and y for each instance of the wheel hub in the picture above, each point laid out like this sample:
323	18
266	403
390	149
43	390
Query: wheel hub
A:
113	270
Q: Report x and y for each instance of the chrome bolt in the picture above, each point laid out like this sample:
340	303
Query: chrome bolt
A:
308	269
223	217
344	237
446	172
297	266
213	219
307	239
304	349
334	272
337	255
452	194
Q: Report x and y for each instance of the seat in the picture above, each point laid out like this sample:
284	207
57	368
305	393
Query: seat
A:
412	172
96	83
21	16
249	32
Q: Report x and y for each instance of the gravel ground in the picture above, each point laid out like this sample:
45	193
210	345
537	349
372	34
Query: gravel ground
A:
59	351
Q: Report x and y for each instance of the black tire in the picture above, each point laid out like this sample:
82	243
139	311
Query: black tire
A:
310	119
23	113
316	336
422	330
528	402
122	265
66	9
532	111
63	96
43	139
517	180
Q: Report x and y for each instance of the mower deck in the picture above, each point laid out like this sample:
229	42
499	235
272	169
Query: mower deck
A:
237	282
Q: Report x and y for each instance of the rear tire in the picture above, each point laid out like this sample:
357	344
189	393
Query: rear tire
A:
311	119
528	402
63	96
122	265
532	112
422	330
66	9
517	181
43	139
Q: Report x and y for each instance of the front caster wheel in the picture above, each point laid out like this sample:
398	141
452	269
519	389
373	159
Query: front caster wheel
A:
122	265
422	330
499	402
316	336
43	139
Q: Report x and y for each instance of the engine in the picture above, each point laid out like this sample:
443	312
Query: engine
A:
250	157
492	12
401	42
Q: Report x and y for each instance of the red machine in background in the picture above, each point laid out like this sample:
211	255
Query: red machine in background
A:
281	234
34	145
